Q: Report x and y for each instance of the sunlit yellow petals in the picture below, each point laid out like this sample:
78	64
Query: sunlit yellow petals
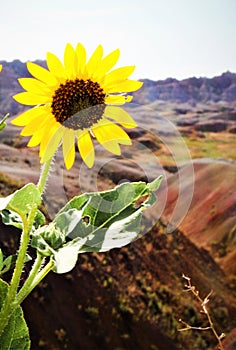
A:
86	148
109	61
30	99
106	64
56	67
29	115
118	99
41	74
34	86
81	59
53	126
94	60
121	116
52	144
33	126
70	158
109	135
69	61
38	136
124	86
36	124
0	67
66	88
118	75
68	147
112	146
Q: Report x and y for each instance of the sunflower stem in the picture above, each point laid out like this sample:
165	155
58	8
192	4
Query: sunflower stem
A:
10	303
27	285
42	273
12	300
44	176
35	277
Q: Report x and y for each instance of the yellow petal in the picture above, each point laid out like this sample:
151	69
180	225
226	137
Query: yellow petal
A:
30	99
41	74
33	126
110	135
52	144
36	138
109	61
105	65
86	148
118	75
94	60
0	67
81	59
38	135
112	146
35	86
121	116
29	115
69	160
53	126
69	61
68	147
124	86
118	99
56	67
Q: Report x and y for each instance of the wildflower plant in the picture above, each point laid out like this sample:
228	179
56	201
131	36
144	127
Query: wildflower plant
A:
79	101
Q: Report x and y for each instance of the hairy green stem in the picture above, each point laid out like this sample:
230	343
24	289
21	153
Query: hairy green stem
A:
27	285
38	278
11	301
10	304
44	176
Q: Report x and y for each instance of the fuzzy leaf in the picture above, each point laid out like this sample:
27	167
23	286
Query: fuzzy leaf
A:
16	334
11	218
100	221
22	201
9	263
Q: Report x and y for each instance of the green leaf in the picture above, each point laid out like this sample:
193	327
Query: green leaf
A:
9	263
1	259
16	333
3	122
155	184
13	219
22	201
39	220
101	221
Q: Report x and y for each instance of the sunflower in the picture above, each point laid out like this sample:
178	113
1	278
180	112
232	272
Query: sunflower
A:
77	101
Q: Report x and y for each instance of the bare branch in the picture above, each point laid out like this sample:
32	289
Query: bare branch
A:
203	303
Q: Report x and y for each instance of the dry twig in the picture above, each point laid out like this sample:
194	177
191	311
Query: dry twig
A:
203	302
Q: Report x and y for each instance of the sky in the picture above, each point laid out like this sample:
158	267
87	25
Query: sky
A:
162	38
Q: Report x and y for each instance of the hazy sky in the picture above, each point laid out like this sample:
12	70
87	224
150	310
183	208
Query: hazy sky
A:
163	38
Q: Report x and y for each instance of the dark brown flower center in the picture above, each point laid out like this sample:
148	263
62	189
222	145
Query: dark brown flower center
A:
78	104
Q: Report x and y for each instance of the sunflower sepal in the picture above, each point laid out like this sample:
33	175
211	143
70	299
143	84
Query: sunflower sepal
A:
47	239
